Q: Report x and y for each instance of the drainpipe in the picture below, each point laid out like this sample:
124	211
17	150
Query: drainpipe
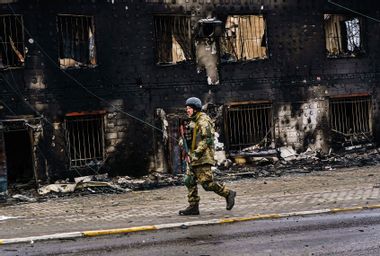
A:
3	168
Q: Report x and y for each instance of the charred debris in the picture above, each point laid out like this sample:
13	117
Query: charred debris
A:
253	162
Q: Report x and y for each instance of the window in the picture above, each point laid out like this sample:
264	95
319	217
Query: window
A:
343	35
173	39
351	116
76	36
85	139
244	38
248	124
12	52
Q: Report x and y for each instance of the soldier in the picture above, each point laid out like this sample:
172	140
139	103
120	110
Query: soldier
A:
201	158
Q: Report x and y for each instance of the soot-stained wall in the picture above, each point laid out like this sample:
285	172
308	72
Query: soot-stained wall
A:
129	86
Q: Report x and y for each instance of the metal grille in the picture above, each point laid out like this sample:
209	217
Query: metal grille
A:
173	39
342	35
248	125
11	41
244	38
351	116
76	41
85	137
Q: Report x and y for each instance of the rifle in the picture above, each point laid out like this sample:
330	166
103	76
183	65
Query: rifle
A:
189	178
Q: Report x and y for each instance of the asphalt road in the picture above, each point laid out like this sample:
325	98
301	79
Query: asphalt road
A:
344	234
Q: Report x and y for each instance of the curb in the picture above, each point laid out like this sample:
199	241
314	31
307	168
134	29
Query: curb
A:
94	233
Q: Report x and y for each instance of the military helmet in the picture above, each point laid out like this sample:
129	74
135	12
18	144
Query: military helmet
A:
194	102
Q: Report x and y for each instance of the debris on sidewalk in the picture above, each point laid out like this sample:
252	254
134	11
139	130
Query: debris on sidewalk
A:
71	187
288	153
258	162
153	180
2	217
24	198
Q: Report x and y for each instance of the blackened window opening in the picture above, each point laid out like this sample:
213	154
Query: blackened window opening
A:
351	116
248	125
76	37
12	52
85	139
343	35
173	39
244	38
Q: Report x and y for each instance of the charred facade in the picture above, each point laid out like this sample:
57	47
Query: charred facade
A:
92	86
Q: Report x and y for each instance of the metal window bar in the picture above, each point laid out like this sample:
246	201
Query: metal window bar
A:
342	34
353	34
351	116
173	39
76	40
85	138
12	52
248	125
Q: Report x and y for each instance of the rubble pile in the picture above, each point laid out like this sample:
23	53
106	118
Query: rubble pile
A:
267	163
153	180
289	162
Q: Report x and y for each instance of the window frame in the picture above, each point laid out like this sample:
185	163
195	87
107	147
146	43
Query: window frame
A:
264	105
264	39
344	53
356	119
17	54
157	37
90	62
70	149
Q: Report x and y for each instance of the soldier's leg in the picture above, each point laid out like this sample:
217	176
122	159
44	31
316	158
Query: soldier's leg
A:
192	193
193	199
205	177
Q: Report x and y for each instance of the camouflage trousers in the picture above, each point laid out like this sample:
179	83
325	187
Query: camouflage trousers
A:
203	175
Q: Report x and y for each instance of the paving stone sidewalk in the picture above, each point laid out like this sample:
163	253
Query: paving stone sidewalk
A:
313	191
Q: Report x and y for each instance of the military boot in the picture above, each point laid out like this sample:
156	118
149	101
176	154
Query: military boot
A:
230	199
192	209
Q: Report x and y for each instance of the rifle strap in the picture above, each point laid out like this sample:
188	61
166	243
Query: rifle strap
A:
194	138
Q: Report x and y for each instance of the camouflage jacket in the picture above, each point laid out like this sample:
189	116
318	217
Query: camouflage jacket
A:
202	144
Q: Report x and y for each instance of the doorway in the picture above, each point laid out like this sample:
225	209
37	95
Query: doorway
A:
19	156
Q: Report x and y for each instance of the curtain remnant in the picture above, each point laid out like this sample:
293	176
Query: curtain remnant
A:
244	38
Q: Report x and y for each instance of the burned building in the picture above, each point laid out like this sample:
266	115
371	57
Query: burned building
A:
93	86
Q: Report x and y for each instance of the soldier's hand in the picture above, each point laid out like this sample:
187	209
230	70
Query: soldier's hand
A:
193	157
180	142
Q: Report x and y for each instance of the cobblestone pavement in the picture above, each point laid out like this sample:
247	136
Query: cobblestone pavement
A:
319	190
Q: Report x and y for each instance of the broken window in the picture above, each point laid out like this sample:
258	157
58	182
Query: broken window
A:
244	38
12	52
343	35
85	139
173	39
76	37
248	124
351	116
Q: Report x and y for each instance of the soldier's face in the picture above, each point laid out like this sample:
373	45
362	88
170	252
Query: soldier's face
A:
189	111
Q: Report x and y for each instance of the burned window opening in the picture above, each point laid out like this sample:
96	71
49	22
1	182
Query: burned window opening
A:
343	35
85	139
12	53
351	117
173	39
76	37
248	125
244	38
